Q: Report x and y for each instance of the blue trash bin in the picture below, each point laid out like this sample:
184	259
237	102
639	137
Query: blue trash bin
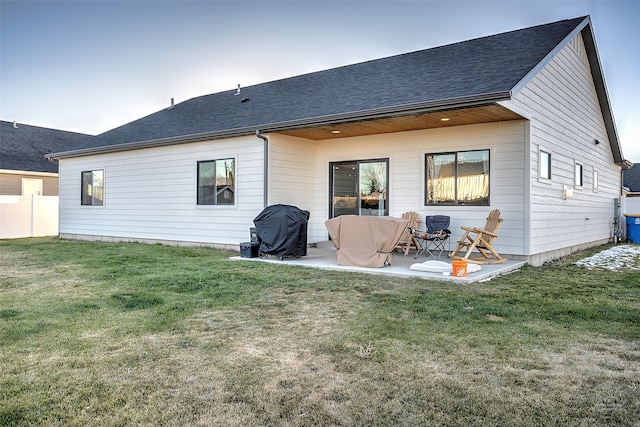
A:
633	227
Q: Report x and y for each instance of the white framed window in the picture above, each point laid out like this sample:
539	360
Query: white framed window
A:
544	165
578	177
595	180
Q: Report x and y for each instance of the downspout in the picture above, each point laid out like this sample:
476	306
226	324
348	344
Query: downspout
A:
266	167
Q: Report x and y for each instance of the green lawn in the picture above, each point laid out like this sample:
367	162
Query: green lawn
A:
95	334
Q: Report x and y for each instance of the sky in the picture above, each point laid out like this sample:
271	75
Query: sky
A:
90	66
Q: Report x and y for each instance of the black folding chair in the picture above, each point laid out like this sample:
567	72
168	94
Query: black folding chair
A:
436	239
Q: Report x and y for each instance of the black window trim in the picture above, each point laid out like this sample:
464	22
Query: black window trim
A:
215	160
456	202
82	188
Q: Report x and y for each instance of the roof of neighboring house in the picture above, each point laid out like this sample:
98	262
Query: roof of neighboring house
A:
23	147
477	72
631	178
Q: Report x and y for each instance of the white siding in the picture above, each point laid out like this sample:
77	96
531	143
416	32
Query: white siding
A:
566	120
297	179
151	194
301	174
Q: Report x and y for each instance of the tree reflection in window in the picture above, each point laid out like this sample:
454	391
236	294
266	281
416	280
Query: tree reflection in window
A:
459	178
373	187
216	182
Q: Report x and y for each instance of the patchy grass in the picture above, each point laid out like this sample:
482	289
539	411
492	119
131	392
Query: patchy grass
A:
126	334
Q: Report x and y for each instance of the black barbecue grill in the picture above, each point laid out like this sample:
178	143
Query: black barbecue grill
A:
282	231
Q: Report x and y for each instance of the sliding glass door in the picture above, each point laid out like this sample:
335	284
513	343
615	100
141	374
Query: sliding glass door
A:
359	187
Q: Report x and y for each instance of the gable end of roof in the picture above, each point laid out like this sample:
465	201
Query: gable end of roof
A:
585	29
603	95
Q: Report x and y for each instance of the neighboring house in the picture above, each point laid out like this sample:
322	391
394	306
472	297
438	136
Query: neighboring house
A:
24	169
28	181
519	121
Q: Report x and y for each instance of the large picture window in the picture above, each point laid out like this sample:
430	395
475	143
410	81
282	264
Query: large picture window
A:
216	183
457	178
92	193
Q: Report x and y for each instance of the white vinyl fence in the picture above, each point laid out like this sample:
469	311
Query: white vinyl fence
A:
631	205
28	216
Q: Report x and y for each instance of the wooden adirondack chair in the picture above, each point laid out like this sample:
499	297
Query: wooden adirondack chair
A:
480	240
408	239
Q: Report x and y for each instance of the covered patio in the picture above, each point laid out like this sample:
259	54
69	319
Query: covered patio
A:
323	256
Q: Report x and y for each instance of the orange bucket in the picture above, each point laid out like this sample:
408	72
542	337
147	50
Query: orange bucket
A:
459	268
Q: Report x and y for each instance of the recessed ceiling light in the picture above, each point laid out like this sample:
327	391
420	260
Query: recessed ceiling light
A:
335	131
445	119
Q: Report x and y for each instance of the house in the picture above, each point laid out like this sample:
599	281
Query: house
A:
24	170
518	121
28	181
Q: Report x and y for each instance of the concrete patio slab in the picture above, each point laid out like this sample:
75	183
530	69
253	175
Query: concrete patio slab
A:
324	257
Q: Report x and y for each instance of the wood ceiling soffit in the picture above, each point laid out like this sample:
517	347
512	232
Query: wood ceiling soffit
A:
458	117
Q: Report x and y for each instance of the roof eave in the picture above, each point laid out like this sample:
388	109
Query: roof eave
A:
28	172
598	77
482	99
603	94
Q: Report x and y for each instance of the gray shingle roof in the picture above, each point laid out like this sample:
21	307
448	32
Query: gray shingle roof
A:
23	148
477	71
631	178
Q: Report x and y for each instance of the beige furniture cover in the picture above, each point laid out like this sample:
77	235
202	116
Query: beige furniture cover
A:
365	241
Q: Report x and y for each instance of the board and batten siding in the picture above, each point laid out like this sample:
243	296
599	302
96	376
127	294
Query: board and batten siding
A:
150	194
566	120
307	186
